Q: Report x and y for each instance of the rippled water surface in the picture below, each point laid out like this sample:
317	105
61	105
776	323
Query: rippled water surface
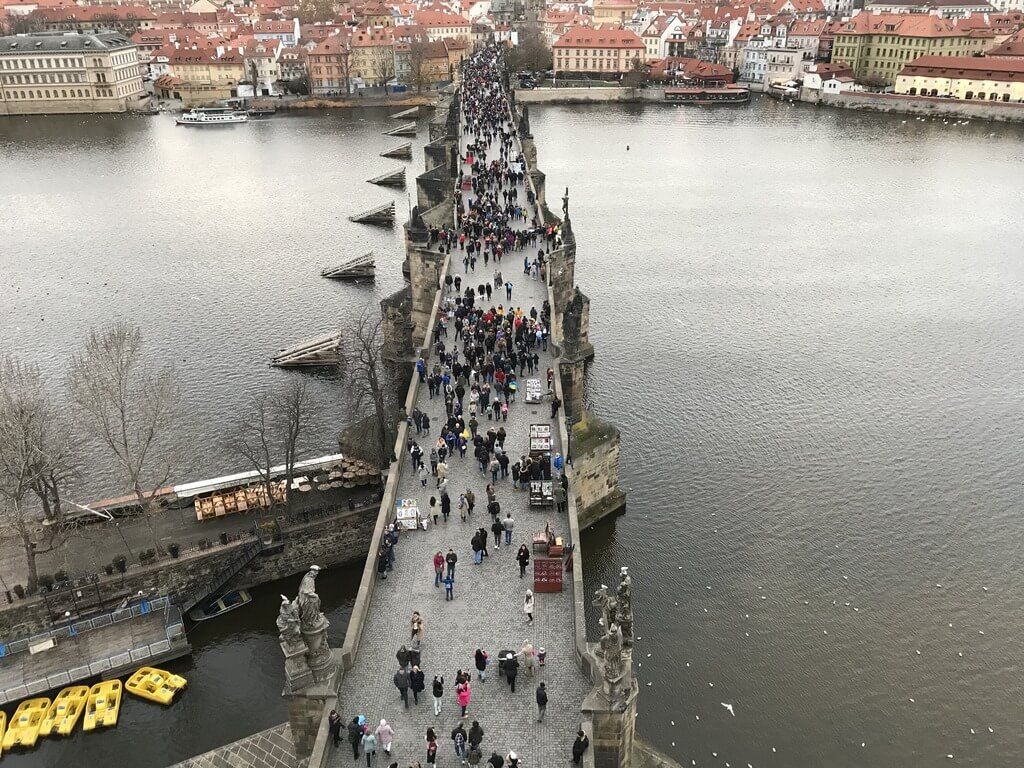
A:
809	326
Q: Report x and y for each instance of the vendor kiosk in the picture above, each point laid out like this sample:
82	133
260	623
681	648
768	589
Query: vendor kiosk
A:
534	391
542	493
407	514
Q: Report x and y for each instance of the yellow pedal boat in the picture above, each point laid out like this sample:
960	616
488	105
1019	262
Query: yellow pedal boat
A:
103	705
23	730
3	729
155	685
62	716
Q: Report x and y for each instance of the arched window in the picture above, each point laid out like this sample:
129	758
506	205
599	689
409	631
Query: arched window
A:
1006	97
993	96
935	91
913	91
969	95
981	95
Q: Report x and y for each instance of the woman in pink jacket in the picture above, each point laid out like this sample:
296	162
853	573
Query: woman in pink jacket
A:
462	694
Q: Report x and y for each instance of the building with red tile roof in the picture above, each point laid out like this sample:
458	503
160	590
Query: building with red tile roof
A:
597	51
1013	46
878	46
971	78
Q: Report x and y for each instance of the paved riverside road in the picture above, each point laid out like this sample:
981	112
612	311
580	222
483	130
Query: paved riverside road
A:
487	609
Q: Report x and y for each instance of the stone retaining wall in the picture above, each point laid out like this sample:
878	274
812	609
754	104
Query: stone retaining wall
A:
334	539
925	105
602	95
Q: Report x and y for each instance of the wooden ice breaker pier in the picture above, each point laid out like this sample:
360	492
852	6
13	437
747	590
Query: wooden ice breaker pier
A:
323	350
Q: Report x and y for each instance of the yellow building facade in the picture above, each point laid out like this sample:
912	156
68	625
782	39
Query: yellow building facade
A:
970	78
878	46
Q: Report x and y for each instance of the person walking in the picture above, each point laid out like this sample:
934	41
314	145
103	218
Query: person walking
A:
480	660
579	746
385	735
470	501
528	606
437	689
542	702
355	736
529	656
438	568
416	629
451	559
495	760
449	587
433	508
416	683
523	556
459	739
334	727
403	657
463	695
475	756
512	671
369	747
423	475
508	290
401	680
496	529
431	749
512	760
507	525
476	736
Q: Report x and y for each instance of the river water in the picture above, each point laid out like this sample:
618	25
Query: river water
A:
808	325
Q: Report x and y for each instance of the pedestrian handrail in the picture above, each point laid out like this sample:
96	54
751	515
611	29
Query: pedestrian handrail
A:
174	630
76	628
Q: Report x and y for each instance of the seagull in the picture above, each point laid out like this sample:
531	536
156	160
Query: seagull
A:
729	707
990	730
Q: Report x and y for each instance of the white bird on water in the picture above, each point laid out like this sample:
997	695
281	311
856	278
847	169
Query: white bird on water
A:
729	707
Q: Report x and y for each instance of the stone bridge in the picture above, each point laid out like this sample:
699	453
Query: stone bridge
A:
590	685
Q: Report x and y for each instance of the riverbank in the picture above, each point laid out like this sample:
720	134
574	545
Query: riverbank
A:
928	106
323	102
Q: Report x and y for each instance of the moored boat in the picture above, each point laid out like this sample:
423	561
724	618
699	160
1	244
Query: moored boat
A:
103	705
62	716
23	730
701	96
220	606
155	685
212	116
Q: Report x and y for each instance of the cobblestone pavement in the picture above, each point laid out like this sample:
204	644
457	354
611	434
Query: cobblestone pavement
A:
487	609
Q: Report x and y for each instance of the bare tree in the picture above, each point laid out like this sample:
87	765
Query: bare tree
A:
253	71
271	430
532	52
296	410
35	460
130	408
418	64
363	371
382	64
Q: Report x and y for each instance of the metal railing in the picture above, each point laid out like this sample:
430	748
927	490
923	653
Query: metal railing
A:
174	629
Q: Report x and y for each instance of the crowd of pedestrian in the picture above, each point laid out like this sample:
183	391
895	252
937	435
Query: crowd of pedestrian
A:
479	353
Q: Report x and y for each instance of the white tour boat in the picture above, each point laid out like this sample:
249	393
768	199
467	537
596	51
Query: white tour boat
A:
212	116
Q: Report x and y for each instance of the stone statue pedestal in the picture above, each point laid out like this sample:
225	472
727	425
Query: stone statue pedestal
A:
614	724
297	673
307	704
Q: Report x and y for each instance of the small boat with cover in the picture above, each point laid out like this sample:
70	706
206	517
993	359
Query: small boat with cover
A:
23	730
103	705
63	714
154	684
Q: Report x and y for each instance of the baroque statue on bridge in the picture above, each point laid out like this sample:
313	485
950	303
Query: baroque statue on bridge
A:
288	622
624	598
311	617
